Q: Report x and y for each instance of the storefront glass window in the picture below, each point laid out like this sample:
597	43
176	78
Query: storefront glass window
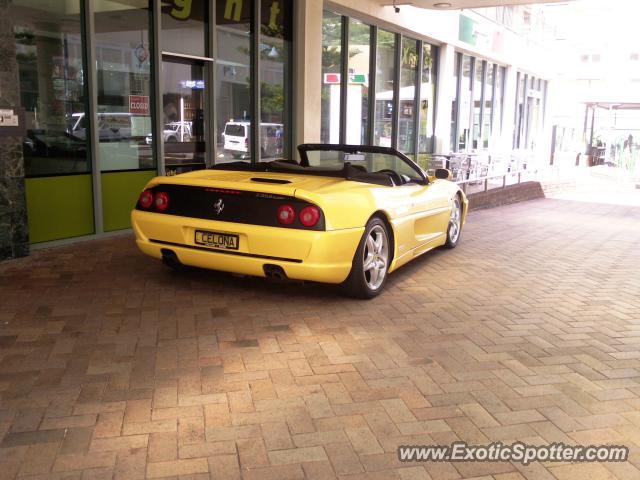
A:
330	90
464	115
233	81
407	119
45	58
427	97
124	85
477	101
488	106
384	88
519	113
455	103
496	129
184	26
358	83
275	45
52	91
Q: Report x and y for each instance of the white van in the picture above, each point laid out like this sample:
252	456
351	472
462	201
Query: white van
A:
237	139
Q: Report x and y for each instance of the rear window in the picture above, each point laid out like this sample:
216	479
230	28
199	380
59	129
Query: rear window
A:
234	130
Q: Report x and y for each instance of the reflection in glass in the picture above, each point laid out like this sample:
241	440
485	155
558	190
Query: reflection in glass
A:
124	85
519	121
480	66
184	26
427	97
487	121
358	84
534	121
465	112
330	89
49	56
233	77
455	103
384	88
183	104
275	45
497	104
407	118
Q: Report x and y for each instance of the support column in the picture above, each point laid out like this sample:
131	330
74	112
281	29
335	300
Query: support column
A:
14	237
307	70
445	94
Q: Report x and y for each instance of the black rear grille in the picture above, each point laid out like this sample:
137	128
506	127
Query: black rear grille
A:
225	205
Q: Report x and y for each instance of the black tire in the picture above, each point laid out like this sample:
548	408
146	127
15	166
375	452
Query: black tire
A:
360	282
454	228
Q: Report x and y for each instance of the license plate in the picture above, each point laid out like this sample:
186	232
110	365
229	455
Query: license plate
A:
217	240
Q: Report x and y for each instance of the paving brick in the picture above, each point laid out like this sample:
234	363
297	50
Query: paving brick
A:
128	442
252	453
163	447
39	459
87	420
77	440
68	462
28	438
276	436
297	455
177	467
224	466
149	427
207	449
363	441
343	458
191	430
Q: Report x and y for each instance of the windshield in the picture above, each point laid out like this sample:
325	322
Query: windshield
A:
365	159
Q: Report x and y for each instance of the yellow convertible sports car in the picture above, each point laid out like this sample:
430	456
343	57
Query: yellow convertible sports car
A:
344	214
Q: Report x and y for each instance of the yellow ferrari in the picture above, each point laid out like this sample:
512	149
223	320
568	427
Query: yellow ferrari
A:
343	214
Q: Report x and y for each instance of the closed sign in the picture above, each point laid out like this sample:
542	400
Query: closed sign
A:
139	104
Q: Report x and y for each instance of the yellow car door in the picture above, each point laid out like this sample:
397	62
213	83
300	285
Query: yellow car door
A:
431	210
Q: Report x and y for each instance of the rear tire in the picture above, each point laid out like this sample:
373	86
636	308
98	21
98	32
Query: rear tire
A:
455	223
371	262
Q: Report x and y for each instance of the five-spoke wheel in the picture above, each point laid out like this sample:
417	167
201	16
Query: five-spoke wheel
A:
455	223
371	261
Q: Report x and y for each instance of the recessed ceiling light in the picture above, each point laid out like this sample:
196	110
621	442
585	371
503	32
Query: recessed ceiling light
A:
442	5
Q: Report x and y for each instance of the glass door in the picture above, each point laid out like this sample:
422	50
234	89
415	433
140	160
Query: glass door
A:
183	115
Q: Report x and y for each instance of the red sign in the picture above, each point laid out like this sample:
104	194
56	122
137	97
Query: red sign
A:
332	78
139	104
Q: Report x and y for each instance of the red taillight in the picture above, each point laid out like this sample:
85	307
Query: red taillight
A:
286	214
309	216
246	142
146	199
161	201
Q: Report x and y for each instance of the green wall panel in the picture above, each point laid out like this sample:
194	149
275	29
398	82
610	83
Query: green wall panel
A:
120	191
59	207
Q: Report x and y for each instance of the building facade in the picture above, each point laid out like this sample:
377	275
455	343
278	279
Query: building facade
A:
99	96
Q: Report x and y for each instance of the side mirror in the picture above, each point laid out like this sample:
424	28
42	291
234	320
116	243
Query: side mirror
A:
443	174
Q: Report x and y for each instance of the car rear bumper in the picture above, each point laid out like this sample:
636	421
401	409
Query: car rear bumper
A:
320	256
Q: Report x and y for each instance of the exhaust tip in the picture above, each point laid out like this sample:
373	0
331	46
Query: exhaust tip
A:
274	272
170	259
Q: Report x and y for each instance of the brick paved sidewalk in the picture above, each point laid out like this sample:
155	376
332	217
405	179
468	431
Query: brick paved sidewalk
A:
112	366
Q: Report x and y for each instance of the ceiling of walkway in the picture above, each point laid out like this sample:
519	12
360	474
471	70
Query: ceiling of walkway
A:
460	4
